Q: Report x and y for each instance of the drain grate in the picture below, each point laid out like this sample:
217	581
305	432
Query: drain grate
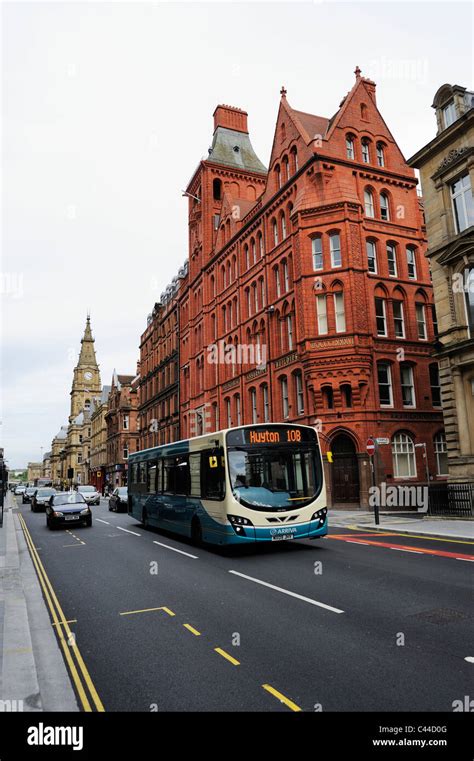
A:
441	616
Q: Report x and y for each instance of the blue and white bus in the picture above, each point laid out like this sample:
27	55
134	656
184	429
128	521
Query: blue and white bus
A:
255	483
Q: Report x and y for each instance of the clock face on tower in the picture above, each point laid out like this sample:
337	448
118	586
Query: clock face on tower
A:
88	375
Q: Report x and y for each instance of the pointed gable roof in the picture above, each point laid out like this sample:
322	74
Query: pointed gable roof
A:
349	117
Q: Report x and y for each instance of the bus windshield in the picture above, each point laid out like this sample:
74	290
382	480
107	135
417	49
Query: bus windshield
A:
276	478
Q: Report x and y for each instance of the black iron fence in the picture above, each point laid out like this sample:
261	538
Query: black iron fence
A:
451	499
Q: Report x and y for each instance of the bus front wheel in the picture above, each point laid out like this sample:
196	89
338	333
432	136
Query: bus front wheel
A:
196	531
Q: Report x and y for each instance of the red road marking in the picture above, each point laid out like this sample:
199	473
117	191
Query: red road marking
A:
440	553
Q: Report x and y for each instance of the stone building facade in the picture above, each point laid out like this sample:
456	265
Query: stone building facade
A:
98	458
122	427
446	167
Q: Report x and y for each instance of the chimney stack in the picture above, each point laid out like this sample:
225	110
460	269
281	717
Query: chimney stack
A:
230	117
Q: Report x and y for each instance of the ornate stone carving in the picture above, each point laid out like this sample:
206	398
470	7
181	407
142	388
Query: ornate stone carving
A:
456	153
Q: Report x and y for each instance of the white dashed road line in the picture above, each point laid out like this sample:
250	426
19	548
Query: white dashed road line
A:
188	554
287	592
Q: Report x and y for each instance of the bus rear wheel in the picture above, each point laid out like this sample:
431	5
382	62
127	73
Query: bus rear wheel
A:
196	531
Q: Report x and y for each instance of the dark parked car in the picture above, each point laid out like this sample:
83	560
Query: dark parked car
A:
90	494
40	498
119	499
67	509
28	494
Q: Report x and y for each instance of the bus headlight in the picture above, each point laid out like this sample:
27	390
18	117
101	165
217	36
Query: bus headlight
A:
320	515
238	522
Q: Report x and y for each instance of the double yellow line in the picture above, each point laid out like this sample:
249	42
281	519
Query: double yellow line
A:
86	691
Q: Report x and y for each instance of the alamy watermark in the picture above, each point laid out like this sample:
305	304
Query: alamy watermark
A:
393	495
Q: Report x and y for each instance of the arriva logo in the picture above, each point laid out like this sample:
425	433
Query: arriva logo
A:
42	735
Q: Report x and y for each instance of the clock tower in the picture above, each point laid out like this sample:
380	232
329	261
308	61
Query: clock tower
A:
86	382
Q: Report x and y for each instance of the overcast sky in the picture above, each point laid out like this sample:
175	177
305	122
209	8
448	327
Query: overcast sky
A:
106	111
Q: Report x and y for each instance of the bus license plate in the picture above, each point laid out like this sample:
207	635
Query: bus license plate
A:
71	517
281	537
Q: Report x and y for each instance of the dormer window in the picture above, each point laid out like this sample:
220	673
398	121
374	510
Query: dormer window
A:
380	155
365	151
449	114
350	147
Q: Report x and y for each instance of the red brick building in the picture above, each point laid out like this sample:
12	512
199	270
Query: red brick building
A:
308	296
159	371
122	427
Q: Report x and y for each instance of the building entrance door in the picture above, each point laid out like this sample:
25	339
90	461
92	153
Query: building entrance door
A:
345	470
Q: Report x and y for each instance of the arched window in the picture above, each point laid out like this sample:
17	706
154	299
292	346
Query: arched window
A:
435	385
420	311
403	456
369	203
407	384
392	259
289	331
238	411
299	393
229	273
346	393
381	314
278	176
252	249
248	301
286	168
335	249
213	286
286	279
276	275
262	292
363	112
285	407
265	402
234	267
350	147
317	250
371	248
87	404
365	143
398	314
255	296
294	154
275	232
246	257
339	312
260	244
441	452
223	278
283	226
384	207
328	397
228	412
380	154
217	190
253	404
411	262
322	314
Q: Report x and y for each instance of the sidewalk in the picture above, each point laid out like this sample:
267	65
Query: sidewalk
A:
414	523
33	676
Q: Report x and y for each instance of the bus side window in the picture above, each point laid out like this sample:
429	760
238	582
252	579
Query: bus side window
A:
176	475
159	477
151	481
212	474
142	477
133	475
195	474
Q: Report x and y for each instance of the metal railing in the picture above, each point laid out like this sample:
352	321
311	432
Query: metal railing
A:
451	499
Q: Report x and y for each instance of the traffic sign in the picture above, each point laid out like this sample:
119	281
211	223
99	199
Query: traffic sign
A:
370	446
